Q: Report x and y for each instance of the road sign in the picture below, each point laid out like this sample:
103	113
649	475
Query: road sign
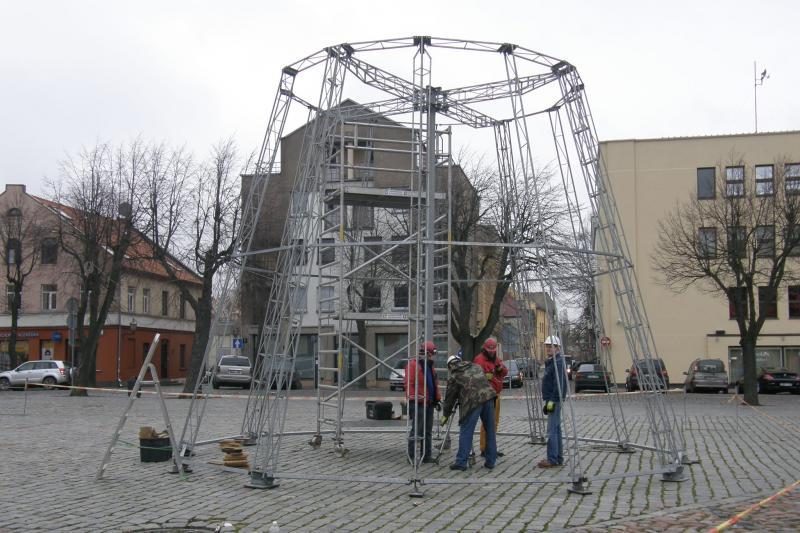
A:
605	342
238	343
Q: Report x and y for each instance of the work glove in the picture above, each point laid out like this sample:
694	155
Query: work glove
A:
489	375
437	405
443	421
548	407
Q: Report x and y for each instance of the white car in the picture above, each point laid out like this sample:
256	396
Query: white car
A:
397	379
47	373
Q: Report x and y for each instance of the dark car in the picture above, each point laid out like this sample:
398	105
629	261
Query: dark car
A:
569	361
591	376
773	381
643	370
528	367
515	377
706	374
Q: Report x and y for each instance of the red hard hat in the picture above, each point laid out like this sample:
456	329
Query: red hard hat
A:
427	347
490	346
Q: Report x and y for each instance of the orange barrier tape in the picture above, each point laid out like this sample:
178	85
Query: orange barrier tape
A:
733	520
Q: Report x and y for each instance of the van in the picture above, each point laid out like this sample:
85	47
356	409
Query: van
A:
706	374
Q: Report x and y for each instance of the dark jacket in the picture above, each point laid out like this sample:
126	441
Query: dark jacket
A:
416	386
467	384
549	386
495	366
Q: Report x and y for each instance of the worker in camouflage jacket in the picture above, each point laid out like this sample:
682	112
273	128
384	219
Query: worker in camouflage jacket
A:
468	386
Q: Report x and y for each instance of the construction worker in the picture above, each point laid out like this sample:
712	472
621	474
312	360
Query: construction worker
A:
422	393
554	390
495	371
468	386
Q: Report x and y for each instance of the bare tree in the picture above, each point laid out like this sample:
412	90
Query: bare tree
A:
736	241
194	216
21	238
100	188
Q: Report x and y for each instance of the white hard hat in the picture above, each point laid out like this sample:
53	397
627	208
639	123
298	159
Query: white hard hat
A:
552	339
453	359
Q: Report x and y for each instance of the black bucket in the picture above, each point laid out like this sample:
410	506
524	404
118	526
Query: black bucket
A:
155	450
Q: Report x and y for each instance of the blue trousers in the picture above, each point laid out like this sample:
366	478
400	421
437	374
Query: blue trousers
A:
486	413
421	425
555	447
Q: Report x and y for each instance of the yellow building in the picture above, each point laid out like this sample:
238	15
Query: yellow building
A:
649	177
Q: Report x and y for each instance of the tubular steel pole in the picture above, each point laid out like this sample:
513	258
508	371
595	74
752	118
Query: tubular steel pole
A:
430	210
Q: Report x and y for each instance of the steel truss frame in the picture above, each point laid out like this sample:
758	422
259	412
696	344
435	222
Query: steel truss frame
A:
574	137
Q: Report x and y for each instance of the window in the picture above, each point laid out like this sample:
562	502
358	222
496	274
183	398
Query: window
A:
299	204
182	307
326	303
299	254
164	303
13	252
737	297
765	241
401	296
146	301
49	251
705	183
327	255
299	300
182	356
131	299
372	295
363	217
707	242
794	301
400	253
331	217
372	249
737	242
792	240
734	181
768	302
765	183
10	298
49	297
792	172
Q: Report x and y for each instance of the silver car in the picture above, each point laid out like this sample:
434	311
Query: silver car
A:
233	370
48	373
706	374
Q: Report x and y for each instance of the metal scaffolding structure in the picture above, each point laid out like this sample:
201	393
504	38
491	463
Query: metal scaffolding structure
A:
347	151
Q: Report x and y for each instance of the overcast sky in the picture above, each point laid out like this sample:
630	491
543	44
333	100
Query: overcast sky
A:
73	73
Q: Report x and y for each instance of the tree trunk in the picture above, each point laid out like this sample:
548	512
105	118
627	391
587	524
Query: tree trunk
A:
87	370
202	327
748	345
12	339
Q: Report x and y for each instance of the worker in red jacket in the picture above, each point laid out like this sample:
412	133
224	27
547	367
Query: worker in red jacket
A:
422	393
495	371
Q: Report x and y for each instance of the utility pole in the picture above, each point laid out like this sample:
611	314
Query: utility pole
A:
757	82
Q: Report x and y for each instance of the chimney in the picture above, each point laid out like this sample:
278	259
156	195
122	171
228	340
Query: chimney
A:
17	188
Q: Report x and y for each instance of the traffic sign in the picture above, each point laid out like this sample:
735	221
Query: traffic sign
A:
605	342
238	343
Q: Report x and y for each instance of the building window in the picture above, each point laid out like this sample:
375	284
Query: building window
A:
49	297
299	204
13	252
326	303
131	299
363	217
299	253
794	301
182	307
734	181
372	296
791	240
10	298
146	301
768	302
182	356
331	217
765	181
401	296
737	242
327	255
299	299
400	252
737	296
707	242
373	249
765	241
49	251
164	303
706	178
792	173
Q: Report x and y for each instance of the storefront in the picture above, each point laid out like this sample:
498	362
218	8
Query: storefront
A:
787	357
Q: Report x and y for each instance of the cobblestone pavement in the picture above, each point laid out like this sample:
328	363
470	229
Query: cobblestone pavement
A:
50	455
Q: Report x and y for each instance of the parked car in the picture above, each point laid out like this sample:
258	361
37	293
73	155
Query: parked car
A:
643	368
773	381
46	372
296	382
397	379
515	377
706	374
591	376
233	370
528	367
569	361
